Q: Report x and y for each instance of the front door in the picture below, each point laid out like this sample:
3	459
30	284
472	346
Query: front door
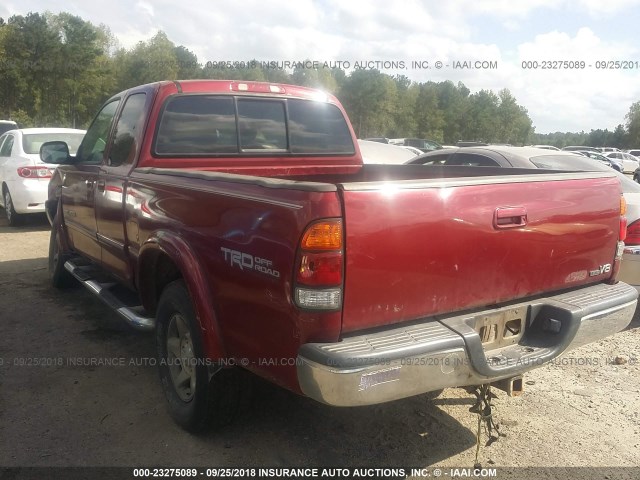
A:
80	181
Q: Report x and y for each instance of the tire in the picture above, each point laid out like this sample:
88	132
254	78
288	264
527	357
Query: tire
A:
59	277
13	218
195	402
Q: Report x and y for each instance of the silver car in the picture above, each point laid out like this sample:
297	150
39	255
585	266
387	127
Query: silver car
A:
528	157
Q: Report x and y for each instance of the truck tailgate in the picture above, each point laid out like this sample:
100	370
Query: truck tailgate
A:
425	247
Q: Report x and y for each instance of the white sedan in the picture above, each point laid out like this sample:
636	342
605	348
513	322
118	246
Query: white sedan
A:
629	162
24	178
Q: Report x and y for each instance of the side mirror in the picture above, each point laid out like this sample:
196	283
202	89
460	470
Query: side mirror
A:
56	152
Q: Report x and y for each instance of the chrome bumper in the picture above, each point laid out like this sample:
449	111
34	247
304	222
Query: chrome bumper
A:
630	266
447	351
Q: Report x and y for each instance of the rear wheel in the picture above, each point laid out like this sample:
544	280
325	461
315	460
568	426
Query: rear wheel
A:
9	210
195	402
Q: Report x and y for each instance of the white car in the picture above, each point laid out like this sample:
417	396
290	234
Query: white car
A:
375	152
414	150
629	162
24	178
546	147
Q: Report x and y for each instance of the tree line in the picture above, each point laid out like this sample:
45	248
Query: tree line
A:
57	69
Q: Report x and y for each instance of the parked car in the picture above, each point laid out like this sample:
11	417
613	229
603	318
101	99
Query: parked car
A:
608	149
581	148
546	147
629	162
609	162
6	125
24	177
375	152
527	157
414	150
378	139
635	152
419	143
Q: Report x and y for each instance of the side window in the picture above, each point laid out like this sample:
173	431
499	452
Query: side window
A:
5	151
95	140
472	160
128	131
262	125
197	125
317	127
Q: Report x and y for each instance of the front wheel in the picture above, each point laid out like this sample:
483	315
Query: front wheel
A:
59	277
195	402
10	211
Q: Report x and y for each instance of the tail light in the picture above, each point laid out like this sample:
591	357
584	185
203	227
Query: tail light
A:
35	172
622	235
623	219
320	266
633	234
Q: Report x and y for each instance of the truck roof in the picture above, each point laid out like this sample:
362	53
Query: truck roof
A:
243	87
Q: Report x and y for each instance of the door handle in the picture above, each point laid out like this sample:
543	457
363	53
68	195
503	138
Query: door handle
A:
101	185
509	217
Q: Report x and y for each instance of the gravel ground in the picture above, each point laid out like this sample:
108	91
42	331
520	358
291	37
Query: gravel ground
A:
56	410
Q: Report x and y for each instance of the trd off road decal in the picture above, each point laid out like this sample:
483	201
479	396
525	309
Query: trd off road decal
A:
246	261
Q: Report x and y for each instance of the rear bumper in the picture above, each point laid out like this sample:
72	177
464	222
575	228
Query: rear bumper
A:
28	195
447	351
630	266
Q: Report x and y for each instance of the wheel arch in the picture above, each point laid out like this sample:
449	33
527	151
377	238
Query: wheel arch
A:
166	257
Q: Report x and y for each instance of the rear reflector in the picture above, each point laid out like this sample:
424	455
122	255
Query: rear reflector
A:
320	269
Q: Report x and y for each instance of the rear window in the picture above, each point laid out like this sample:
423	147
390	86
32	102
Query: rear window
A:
31	142
213	125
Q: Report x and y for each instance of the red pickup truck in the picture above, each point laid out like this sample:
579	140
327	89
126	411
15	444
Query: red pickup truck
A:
238	221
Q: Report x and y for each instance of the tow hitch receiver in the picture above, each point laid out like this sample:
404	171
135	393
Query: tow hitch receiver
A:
514	386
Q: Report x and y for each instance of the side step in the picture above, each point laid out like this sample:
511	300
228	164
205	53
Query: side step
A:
134	315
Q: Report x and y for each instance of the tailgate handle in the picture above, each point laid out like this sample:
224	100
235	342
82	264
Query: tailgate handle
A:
509	217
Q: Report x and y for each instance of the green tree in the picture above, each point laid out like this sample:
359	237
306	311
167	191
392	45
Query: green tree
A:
633	125
370	99
150	61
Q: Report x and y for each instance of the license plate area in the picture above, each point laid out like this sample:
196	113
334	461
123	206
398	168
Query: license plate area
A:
503	328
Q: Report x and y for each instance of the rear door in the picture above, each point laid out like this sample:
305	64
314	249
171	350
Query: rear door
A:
80	182
423	247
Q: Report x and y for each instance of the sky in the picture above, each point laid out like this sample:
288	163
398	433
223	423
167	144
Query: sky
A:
485	44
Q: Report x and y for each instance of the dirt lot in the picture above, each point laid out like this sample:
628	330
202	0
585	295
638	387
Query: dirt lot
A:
582	410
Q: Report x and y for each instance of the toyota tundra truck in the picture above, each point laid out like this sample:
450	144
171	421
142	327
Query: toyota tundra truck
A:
238	221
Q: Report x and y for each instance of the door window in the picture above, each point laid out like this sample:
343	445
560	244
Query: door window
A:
95	141
128	128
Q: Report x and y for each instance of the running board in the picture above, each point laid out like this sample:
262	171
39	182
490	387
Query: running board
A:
133	315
